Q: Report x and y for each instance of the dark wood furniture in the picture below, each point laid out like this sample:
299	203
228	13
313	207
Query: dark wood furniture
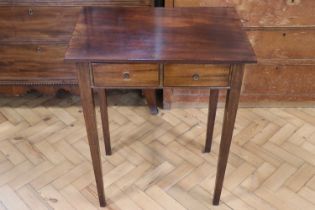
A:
282	35
33	44
208	44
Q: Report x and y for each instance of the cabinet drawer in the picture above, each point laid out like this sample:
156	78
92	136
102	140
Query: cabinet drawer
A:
42	53
83	3
6	23
196	75
263	13
37	72
125	75
44	23
284	44
35	62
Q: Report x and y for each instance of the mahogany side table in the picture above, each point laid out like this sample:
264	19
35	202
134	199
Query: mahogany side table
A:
154	48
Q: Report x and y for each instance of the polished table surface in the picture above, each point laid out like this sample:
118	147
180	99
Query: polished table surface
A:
154	48
164	35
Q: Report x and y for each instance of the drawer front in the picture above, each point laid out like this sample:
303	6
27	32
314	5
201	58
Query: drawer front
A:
36	72
263	13
196	75
44	23
126	75
6	2
82	3
35	62
267	81
6	23
284	44
41	53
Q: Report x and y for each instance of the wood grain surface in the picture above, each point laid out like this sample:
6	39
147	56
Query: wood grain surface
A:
34	62
267	13
138	75
299	80
81	3
282	35
163	35
88	107
285	44
38	23
186	75
35	23
6	23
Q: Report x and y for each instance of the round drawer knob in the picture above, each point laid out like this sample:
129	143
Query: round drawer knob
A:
126	75
195	77
30	11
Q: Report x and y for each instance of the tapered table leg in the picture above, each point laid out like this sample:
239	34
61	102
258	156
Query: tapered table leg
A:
212	110
104	115
91	127
231	106
150	95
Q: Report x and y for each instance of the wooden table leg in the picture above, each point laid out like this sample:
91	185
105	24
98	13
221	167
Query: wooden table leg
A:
104	115
150	95
212	110
231	106
88	106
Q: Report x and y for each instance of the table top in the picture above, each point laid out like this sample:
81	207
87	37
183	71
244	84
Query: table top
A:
212	35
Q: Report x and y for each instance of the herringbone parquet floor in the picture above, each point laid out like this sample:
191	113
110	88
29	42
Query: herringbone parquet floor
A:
157	161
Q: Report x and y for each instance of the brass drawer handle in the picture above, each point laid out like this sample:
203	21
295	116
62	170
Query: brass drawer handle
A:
196	77
30	11
126	75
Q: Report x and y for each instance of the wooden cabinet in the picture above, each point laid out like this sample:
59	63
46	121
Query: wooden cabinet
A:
282	33
266	13
34	35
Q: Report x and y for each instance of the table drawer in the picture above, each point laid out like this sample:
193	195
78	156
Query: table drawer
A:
125	75
197	75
